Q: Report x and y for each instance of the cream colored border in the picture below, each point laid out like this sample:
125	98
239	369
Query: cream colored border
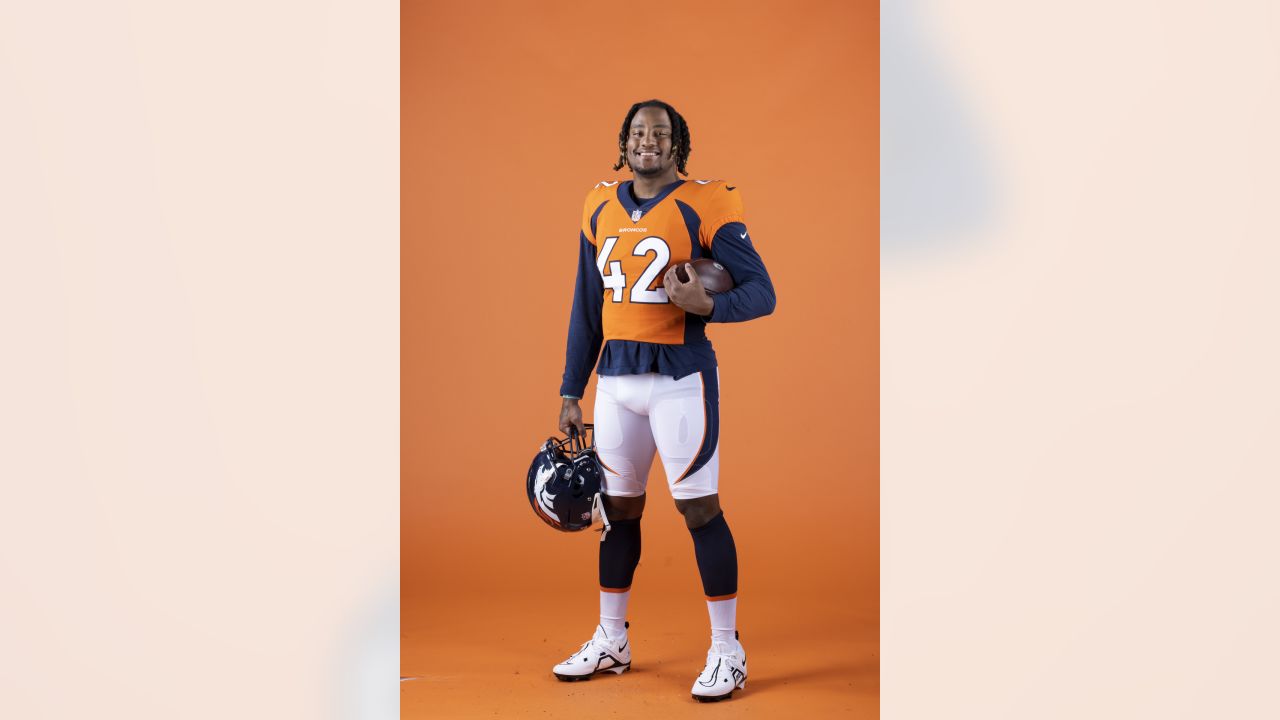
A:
1080	386
199	376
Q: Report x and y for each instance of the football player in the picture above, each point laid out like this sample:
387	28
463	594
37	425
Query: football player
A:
658	387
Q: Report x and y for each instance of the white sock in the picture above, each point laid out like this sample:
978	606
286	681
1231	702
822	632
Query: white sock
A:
724	619
613	612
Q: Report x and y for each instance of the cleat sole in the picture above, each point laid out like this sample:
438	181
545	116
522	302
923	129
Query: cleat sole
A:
616	670
717	698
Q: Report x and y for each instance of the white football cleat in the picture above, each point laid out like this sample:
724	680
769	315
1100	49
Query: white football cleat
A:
725	672
597	655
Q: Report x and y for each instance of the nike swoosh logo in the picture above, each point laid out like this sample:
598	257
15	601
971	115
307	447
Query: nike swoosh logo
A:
743	236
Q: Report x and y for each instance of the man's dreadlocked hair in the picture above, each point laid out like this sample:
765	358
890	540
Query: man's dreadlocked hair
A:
679	130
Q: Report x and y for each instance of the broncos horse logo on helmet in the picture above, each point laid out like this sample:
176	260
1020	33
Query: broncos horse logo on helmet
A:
564	483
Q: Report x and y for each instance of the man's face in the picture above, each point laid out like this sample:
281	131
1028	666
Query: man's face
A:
649	149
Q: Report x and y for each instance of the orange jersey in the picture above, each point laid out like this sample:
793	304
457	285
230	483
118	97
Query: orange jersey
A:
636	244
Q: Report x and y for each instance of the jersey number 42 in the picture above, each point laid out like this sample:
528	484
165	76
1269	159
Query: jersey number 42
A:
615	280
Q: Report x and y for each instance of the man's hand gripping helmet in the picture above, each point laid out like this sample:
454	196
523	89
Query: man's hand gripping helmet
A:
564	483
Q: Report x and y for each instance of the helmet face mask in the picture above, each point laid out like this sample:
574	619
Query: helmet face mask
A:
564	483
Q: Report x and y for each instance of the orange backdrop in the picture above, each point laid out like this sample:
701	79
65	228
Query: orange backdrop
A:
510	113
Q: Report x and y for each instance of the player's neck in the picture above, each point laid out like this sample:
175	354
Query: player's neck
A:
646	188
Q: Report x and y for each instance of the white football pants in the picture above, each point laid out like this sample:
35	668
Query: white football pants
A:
638	414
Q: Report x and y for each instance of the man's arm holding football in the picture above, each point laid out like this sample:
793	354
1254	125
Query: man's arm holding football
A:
752	295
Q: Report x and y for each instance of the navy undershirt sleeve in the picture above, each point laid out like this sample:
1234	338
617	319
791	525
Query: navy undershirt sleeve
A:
585	331
752	294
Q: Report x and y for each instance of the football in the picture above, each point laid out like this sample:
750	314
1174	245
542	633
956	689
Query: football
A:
715	278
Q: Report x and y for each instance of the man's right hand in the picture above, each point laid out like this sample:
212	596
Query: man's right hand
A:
570	415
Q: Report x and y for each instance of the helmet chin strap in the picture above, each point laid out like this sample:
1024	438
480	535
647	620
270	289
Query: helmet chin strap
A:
597	508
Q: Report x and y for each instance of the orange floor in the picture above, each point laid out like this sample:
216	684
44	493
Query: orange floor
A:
478	648
794	672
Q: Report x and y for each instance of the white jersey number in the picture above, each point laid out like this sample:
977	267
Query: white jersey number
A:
616	281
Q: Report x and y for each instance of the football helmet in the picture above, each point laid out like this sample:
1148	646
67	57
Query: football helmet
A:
564	483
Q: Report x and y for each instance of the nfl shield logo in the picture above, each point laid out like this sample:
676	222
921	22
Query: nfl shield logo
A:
635	216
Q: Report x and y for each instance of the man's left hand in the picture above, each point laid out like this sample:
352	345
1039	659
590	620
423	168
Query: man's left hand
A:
688	296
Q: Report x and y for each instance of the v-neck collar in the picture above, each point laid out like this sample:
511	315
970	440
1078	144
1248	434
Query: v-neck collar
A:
638	211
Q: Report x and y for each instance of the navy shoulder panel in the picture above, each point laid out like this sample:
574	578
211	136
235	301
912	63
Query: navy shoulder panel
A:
595	216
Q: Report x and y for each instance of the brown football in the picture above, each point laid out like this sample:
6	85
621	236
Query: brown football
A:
715	278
